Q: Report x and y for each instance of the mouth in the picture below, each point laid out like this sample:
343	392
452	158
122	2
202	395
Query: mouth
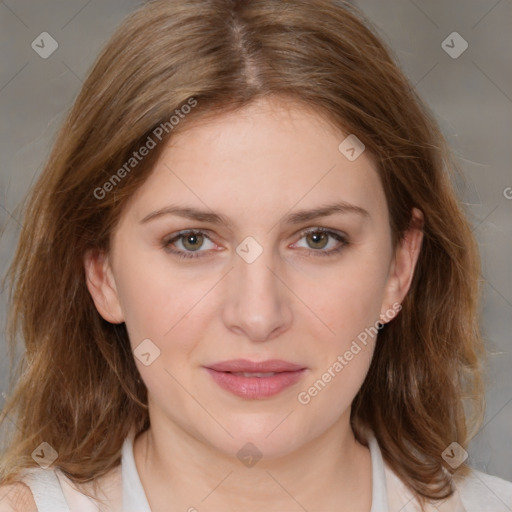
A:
255	380
249	374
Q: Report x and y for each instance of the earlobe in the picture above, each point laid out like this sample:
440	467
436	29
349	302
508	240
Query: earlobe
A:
403	265
101	285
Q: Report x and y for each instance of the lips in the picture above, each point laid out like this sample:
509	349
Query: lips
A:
244	365
255	380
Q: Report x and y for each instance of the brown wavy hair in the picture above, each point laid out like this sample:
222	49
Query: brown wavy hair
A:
77	377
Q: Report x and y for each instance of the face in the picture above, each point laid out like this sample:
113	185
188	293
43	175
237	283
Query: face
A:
236	273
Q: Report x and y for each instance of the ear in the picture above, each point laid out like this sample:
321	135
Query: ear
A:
101	285
402	267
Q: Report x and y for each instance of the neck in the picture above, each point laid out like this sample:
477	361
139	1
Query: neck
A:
331	473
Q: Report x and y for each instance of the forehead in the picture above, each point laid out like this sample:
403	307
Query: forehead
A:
268	157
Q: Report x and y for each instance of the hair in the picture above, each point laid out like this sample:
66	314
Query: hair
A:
77	376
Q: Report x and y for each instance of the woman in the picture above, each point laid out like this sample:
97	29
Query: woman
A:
244	281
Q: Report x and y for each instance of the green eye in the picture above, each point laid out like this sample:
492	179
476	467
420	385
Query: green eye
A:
193	240
319	238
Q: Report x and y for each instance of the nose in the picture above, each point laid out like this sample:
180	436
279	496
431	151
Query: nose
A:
257	304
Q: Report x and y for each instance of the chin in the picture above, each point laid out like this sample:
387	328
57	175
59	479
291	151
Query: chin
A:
271	435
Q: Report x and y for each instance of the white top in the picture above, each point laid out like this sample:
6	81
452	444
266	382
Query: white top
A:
54	492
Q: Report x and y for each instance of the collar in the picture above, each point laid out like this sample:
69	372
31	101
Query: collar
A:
134	497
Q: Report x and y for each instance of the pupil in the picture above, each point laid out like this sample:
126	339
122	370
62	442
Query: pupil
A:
192	239
317	237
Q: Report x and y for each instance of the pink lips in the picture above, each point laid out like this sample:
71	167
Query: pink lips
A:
228	375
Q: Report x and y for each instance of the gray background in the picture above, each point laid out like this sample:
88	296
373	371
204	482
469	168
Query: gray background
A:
471	96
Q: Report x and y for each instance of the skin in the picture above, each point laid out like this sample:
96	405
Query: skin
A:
254	166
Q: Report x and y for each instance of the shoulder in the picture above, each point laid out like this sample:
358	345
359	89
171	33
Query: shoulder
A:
17	497
481	492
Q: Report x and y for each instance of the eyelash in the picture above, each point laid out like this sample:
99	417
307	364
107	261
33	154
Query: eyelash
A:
317	252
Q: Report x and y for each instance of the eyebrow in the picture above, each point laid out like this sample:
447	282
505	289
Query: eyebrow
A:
297	217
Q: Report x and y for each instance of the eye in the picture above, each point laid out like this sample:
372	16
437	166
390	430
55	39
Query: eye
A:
318	239
191	241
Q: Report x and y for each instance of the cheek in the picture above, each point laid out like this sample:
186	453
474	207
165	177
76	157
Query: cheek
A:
350	297
350	306
157	300
163	313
